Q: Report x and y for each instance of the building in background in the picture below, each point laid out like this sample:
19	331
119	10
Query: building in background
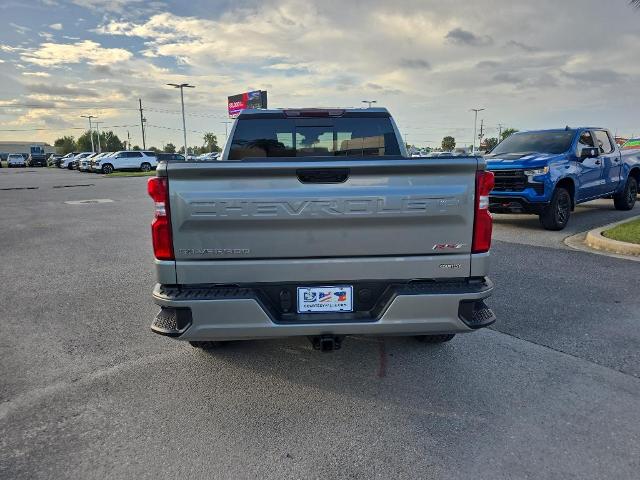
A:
7	147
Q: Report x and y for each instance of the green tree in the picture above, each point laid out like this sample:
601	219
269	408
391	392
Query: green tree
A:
153	149
170	148
110	142
490	143
136	147
192	150
84	141
210	143
508	131
448	143
65	145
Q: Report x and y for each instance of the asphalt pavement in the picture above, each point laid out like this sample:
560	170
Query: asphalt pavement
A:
87	391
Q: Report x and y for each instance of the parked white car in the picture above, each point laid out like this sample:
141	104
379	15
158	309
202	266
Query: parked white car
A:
127	160
67	159
207	157
15	160
94	161
84	164
71	162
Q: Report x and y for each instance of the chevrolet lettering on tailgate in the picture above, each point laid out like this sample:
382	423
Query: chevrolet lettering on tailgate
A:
313	207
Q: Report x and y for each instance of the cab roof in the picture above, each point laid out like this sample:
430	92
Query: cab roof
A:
314	113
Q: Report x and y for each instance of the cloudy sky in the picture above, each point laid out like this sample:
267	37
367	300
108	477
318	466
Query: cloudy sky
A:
535	64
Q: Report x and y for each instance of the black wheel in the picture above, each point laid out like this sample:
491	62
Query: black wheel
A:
436	338
626	199
145	167
107	168
70	167
555	216
207	345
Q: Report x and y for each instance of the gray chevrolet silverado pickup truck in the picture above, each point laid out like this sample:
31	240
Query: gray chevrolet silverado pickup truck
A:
316	223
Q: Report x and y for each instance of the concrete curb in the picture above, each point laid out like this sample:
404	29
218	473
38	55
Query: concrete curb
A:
595	239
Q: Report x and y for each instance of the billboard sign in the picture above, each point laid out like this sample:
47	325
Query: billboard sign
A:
246	100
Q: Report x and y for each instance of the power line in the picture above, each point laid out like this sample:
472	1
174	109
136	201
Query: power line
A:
58	129
179	129
56	107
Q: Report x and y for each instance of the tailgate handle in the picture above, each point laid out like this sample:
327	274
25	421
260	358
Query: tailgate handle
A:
324	175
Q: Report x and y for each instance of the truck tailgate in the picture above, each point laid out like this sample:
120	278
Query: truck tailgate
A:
314	209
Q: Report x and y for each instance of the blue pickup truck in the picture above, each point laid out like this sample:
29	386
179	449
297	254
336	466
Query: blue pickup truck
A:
549	172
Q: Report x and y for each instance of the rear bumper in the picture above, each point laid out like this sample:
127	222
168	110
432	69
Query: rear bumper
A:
233	313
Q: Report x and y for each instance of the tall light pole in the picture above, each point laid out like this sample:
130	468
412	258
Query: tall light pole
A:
182	86
90	130
98	132
475	122
369	102
226	126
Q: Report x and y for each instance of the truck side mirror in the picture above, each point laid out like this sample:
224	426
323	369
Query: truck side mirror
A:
589	152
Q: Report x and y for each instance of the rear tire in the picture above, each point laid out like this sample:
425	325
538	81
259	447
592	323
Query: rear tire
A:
209	345
626	199
107	168
555	216
436	338
145	167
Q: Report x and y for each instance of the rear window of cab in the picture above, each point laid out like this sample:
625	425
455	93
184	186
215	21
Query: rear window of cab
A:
333	137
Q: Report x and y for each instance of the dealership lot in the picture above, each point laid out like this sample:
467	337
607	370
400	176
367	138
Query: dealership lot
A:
552	391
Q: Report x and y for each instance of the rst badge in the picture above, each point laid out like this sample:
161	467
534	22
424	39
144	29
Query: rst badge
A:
448	246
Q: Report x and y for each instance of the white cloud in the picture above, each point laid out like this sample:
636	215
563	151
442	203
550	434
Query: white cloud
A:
120	6
36	74
56	26
20	28
54	54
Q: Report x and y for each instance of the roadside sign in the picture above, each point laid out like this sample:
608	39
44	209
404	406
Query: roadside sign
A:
246	100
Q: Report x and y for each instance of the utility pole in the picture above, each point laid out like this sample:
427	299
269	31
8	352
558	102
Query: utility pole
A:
98	132
128	141
226	123
142	120
182	86
499	131
475	123
369	102
90	130
481	134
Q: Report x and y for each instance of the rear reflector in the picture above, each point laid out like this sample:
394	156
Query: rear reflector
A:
158	188
483	222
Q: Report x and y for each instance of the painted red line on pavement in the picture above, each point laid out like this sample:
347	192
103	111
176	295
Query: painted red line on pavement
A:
382	367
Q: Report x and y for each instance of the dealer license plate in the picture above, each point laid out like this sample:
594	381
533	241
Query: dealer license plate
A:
325	299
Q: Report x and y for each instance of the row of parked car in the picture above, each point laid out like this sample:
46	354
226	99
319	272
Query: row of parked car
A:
107	162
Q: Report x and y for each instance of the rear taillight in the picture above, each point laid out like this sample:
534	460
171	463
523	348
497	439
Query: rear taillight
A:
483	221
158	189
